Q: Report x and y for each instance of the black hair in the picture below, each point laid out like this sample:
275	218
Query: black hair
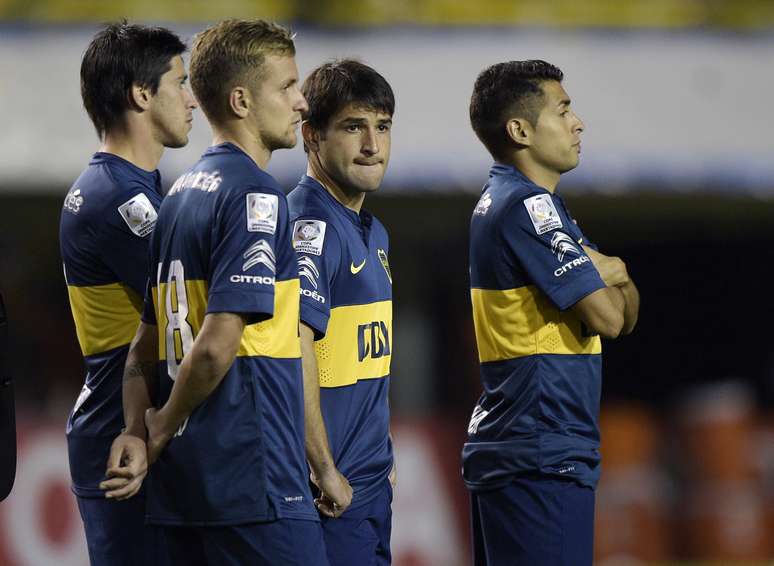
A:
336	84
507	90
119	56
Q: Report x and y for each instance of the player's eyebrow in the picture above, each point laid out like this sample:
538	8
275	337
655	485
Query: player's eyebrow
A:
564	102
353	120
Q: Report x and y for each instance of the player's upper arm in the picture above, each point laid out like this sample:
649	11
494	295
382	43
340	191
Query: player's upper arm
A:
599	314
318	252
245	254
543	244
125	238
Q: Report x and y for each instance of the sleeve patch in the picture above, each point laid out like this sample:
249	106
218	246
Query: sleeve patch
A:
308	236
262	211
543	213
139	215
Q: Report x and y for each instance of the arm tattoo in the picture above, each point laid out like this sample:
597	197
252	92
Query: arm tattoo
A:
146	370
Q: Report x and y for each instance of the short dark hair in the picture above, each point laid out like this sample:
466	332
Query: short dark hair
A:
336	84
506	90
119	56
233	52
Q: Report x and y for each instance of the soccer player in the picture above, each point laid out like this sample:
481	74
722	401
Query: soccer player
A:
229	483
542	296
133	88
346	306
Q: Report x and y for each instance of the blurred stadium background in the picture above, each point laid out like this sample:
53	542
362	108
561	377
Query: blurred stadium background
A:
676	177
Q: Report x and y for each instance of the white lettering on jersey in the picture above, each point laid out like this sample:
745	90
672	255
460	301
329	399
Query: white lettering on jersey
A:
571	264
256	279
201	180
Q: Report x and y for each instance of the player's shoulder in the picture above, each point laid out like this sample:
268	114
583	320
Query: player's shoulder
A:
111	188
509	190
234	172
310	200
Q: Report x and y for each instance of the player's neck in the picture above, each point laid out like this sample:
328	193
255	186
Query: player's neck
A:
137	147
244	139
353	202
536	172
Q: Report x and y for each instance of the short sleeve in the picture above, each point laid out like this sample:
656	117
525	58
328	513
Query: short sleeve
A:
243	259
125	236
552	259
318	251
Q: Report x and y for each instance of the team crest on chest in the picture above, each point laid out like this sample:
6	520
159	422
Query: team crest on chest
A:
386	264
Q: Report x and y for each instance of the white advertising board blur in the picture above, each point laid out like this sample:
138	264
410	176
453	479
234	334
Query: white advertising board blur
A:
40	524
665	110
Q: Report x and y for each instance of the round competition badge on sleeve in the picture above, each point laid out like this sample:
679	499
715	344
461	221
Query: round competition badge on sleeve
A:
262	212
139	215
543	213
308	236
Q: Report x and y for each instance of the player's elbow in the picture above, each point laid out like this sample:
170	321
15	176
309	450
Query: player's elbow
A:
608	326
628	326
611	327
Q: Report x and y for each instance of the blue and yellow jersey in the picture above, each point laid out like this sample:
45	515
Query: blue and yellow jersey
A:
223	244
346	297
107	217
540	368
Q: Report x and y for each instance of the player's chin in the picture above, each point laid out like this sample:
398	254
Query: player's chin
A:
571	164
176	142
289	141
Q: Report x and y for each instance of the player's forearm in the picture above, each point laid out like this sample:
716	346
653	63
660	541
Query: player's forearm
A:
631	310
318	451
203	368
136	395
200	373
139	380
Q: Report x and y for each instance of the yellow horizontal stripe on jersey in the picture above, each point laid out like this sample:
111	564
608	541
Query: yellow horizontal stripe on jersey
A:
106	316
513	323
276	337
357	344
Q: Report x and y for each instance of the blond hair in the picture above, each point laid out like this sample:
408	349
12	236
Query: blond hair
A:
231	53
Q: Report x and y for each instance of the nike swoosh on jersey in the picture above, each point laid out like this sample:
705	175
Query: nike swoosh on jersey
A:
356	269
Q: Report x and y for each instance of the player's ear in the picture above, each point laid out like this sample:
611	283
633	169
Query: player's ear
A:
311	137
139	96
519	130
239	101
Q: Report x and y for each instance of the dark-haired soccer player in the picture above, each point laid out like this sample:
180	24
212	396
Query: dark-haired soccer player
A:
346	306
229	483
542	296
133	88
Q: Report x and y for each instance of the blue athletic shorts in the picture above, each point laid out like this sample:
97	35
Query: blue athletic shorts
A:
116	533
361	536
285	542
534	522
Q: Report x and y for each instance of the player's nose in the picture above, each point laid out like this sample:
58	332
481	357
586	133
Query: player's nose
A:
370	144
